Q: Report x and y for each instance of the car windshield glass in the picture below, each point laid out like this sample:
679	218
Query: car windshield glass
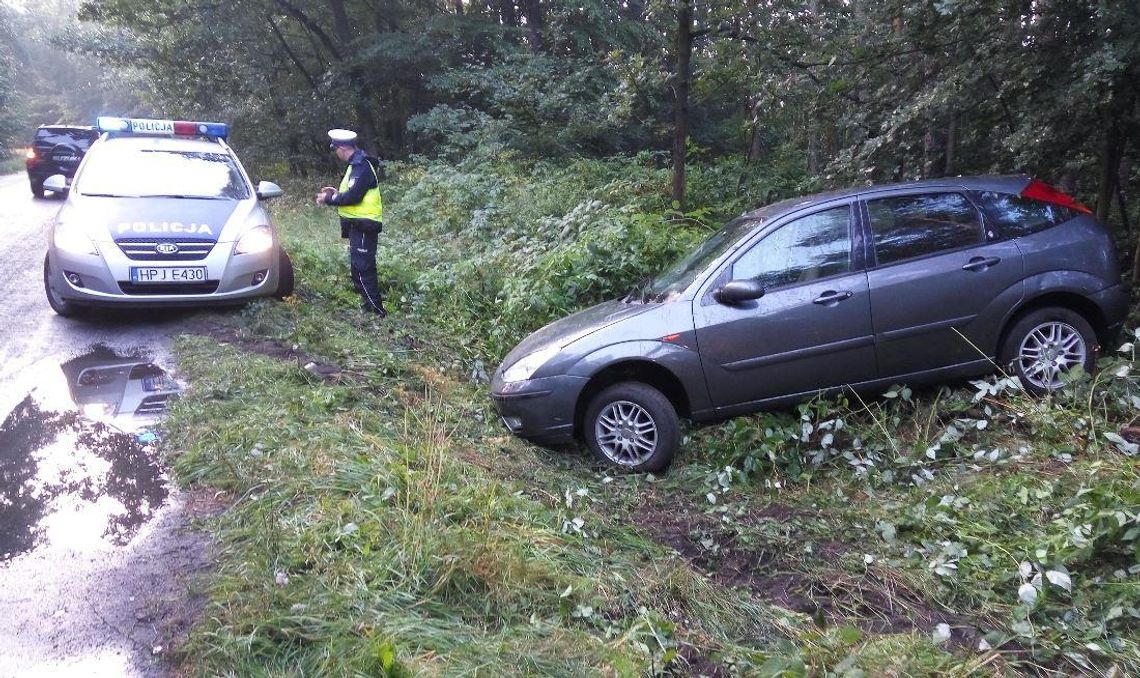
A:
149	173
679	276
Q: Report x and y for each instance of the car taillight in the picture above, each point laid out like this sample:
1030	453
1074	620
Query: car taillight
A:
31	154
1039	190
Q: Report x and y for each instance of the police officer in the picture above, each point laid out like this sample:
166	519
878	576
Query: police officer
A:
361	211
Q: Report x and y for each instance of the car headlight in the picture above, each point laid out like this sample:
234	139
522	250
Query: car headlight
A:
256	239
72	239
529	364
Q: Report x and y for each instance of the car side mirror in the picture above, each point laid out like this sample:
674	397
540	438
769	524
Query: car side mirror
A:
738	291
56	183
267	190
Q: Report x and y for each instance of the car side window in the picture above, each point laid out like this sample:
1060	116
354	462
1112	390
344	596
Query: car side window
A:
909	226
1018	217
809	248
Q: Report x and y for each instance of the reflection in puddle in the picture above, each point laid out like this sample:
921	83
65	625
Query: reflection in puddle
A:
83	477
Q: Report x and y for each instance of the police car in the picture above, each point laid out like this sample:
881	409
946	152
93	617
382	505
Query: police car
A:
161	213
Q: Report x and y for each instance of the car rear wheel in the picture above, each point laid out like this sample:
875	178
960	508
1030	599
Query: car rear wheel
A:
284	276
67	309
1045	344
37	188
632	426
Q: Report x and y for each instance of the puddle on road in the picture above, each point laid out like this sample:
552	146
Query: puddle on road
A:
77	455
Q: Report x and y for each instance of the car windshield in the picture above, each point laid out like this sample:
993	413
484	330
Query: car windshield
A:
681	274
151	173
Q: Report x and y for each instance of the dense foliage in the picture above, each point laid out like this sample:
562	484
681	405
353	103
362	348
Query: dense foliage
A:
847	91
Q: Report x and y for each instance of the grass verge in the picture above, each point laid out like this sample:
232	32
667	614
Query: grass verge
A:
381	522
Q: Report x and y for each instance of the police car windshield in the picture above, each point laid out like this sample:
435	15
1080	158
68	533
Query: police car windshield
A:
154	172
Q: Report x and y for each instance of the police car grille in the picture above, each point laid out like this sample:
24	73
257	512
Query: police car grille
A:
208	287
145	249
153	404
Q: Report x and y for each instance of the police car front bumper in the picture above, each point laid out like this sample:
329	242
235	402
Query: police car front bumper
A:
105	278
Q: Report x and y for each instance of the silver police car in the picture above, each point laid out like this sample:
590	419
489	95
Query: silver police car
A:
161	213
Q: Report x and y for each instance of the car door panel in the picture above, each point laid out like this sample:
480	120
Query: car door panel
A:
935	311
810	330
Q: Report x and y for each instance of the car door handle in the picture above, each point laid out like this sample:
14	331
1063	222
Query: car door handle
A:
981	263
831	298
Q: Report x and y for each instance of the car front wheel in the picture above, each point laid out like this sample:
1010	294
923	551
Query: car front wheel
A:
284	276
632	426
1045	344
67	309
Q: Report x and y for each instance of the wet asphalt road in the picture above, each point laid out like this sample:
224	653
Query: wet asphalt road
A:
96	560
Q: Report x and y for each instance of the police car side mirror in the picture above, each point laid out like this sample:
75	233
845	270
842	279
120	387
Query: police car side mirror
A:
267	190
56	183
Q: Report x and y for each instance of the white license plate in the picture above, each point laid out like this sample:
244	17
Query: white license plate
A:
168	274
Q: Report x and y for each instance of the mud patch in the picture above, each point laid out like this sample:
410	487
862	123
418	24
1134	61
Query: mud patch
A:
781	573
226	334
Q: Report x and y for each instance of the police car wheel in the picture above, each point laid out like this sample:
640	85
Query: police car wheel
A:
67	309
284	276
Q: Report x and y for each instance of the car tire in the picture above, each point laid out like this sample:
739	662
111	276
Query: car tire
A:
285	279
632	426
37	188
67	309
1044	344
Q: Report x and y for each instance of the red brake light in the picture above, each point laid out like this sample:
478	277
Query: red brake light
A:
31	154
1039	190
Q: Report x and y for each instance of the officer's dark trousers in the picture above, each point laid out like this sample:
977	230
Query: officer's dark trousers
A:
362	263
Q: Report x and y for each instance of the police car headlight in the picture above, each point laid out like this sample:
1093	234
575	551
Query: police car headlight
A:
256	239
524	369
72	239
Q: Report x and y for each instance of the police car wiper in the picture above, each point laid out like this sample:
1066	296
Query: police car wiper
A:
183	196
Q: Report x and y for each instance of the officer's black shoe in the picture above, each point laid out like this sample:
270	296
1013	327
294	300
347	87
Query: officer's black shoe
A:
379	311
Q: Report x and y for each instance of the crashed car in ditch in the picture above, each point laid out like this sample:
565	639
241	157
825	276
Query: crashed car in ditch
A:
859	288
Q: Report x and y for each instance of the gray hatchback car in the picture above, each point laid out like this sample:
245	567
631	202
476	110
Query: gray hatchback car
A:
859	288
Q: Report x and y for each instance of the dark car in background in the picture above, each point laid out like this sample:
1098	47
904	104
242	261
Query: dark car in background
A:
860	289
56	149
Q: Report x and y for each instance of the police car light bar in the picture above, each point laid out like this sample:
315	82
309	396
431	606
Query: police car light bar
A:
218	130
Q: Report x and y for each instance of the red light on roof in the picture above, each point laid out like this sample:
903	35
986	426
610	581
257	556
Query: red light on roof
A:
188	128
671	337
1039	190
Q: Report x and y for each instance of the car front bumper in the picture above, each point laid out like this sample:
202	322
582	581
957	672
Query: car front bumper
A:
104	279
539	410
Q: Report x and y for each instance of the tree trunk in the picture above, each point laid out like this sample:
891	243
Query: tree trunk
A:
507	13
684	47
951	141
1109	169
532	12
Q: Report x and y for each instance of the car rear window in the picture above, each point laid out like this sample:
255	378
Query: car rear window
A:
910	226
76	138
1018	217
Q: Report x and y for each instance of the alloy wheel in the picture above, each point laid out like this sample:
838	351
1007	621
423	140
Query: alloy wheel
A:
1050	350
626	433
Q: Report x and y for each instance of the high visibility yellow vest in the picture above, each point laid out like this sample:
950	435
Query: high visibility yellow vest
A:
371	207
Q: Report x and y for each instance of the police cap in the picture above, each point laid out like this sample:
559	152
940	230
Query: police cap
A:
342	137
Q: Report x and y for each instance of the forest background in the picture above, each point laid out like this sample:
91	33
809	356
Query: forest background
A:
795	96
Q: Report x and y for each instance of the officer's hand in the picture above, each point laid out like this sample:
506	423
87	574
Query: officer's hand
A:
324	195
